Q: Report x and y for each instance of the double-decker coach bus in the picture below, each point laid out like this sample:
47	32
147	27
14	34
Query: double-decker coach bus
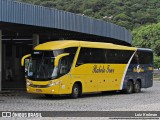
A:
77	67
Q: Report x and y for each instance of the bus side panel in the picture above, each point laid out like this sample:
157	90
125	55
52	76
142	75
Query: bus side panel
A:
99	77
83	73
140	68
65	86
144	73
133	74
149	76
114	78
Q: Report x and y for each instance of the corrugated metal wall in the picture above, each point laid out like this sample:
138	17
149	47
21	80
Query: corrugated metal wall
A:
21	13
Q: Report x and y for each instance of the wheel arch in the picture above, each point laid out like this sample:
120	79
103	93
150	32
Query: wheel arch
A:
131	80
131	86
79	84
125	83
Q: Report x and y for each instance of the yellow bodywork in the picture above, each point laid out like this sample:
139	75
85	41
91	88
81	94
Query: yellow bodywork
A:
108	78
55	45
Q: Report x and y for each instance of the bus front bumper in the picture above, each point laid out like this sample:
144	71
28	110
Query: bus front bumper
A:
49	90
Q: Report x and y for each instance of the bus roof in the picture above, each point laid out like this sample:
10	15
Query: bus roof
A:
145	49
54	45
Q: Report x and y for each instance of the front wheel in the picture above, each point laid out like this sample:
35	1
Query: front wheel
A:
129	88
75	91
137	87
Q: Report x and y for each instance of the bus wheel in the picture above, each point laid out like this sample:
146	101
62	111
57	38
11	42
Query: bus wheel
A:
137	87
129	88
75	91
48	96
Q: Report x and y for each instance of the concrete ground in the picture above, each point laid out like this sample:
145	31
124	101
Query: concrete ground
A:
147	100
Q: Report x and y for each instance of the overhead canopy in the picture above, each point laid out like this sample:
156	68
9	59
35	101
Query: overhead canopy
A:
22	20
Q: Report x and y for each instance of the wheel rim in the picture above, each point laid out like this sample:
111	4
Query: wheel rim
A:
129	87
137	87
76	91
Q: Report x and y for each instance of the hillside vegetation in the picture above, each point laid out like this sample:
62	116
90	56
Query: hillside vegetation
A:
148	37
127	13
142	17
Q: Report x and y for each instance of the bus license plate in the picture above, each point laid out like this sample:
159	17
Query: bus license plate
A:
38	90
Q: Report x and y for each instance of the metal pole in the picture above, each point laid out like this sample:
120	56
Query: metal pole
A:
0	60
35	40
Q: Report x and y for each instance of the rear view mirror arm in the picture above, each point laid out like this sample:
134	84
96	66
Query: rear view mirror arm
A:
23	58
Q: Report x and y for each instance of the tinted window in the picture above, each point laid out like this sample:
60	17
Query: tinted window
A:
142	57
95	55
118	56
135	59
41	66
91	55
66	62
145	57
72	51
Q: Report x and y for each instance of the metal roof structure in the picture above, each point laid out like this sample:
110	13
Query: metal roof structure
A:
22	17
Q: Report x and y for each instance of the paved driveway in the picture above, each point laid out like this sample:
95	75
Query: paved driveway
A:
148	99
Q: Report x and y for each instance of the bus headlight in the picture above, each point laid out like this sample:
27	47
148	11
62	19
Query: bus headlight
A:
29	83
51	84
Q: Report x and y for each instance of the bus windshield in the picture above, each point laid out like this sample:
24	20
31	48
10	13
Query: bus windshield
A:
41	65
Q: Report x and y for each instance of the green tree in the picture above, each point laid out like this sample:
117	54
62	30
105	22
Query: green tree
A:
156	62
48	3
88	12
134	12
148	36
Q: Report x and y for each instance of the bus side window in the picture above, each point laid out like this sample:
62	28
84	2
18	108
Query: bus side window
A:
81	57
64	66
135	59
118	56
98	55
85	56
145	57
91	55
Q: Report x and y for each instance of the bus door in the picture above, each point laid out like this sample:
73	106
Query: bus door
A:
84	68
64	74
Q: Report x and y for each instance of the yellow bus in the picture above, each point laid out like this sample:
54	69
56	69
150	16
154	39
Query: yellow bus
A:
78	67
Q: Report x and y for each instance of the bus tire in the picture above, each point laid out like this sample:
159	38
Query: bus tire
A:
48	96
129	88
75	91
137	87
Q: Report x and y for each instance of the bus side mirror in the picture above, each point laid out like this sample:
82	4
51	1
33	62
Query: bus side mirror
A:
59	57
23	58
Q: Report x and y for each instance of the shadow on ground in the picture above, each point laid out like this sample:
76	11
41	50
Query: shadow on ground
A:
88	95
